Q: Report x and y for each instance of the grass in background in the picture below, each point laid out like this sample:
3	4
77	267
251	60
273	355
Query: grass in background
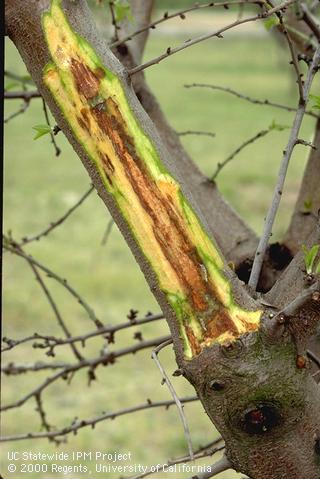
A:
39	187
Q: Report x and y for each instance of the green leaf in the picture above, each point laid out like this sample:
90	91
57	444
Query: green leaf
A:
271	22
309	256
276	126
11	85
307	205
317	269
122	10
315	98
41	130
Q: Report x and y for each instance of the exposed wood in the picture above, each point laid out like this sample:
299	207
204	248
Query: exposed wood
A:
235	239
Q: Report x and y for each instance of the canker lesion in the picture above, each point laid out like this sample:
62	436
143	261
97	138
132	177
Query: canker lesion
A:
187	263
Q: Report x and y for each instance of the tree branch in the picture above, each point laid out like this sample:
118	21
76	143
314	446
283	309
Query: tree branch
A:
166	379
107	331
306	295
23	108
201	452
263	243
76	425
59	221
250	99
66	370
52	136
73	62
294	58
113	17
55	310
246	143
301	317
310	20
222	465
107	232
218	33
24	95
13	247
181	13
196	132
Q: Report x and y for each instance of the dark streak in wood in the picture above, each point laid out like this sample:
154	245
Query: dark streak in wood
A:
87	82
194	343
220	323
168	226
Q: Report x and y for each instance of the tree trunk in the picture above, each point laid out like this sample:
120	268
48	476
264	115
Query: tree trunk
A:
242	360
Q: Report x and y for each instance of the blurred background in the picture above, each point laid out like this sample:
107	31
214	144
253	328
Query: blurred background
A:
40	187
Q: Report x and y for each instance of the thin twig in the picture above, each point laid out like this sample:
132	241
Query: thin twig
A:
76	425
203	451
267	230
154	356
197	133
313	357
25	105
114	21
107	331
251	140
105	360
12	369
250	99
107	232
23	95
300	141
222	465
42	413
12	247
59	221
310	20
294	58
53	141
218	33
181	14
43	418
305	295
55	309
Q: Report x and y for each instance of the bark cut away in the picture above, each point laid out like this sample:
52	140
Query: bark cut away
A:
187	264
243	359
